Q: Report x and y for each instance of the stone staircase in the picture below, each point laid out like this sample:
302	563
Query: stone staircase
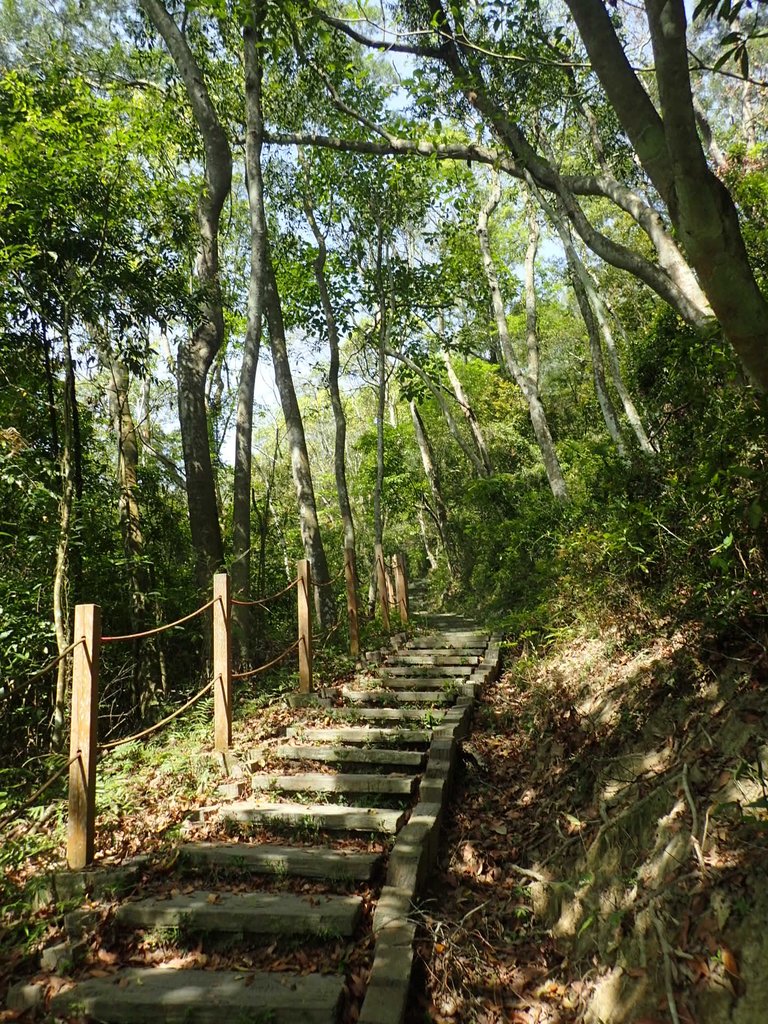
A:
381	774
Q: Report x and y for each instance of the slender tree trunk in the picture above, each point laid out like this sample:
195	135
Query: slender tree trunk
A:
439	396
464	403
197	351
597	321
241	490
433	478
427	550
339	418
66	506
147	679
381	402
531	321
527	387
604	400
297	446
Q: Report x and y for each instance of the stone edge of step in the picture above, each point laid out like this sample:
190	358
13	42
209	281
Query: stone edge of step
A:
414	855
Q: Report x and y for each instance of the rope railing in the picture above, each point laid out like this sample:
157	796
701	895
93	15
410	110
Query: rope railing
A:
329	582
85	678
52	664
158	725
266	600
159	629
6	818
269	664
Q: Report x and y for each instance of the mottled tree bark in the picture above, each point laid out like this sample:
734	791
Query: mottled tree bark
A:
433	478
241	488
197	350
527	387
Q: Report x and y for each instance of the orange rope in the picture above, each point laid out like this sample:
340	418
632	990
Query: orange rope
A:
159	629
158	725
52	664
327	583
30	800
265	600
263	668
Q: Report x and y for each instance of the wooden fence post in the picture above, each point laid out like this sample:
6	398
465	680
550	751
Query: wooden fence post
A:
304	599
382	585
401	586
222	662
350	576
81	824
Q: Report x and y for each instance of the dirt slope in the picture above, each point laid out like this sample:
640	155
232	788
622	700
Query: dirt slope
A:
606	858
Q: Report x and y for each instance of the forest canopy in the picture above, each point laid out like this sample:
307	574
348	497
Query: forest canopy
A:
505	263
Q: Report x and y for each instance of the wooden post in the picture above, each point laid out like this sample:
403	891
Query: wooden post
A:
350	576
382	586
401	585
81	825
222	662
304	598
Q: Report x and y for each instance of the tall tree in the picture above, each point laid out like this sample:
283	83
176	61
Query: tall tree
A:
198	349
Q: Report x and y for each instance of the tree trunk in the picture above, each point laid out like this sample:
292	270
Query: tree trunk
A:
197	351
241	489
464	403
147	676
668	146
597	321
527	387
297	446
66	503
433	478
339	418
531	324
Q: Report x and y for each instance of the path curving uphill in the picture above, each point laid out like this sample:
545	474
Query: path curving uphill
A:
381	769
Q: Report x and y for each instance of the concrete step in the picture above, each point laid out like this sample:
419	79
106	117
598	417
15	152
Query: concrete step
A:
361	734
471	650
384	697
450	671
381	714
449	640
333	817
269	858
352	755
320	782
431	659
249	913
431	684
139	995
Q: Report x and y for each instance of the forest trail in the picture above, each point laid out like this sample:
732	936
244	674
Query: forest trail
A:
323	838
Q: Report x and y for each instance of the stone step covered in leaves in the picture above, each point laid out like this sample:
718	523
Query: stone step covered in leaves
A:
323	782
382	714
384	756
331	817
361	734
430	684
470	650
384	697
424	670
451	660
249	913
167	996
271	859
453	640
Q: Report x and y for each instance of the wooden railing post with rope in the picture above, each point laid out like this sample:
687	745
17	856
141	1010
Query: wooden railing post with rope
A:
401	586
222	662
382	585
304	610
350	577
81	825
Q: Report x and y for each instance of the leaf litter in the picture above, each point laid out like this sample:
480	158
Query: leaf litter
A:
603	860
